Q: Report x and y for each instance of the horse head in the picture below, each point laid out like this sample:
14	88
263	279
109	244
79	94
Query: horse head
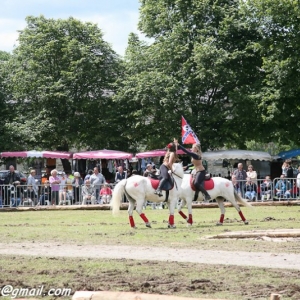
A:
178	170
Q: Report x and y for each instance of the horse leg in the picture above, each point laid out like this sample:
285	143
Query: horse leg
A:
243	218
222	208
130	213
240	212
182	204
190	219
139	209
171	216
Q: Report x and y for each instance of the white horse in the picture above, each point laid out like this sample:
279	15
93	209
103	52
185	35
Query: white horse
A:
138	189
218	188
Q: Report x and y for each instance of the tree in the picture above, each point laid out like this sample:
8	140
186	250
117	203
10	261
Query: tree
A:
62	76
6	104
201	65
279	24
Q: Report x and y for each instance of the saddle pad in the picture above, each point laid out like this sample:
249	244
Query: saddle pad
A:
208	184
154	182
166	187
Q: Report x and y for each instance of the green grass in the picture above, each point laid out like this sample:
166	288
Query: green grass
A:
100	227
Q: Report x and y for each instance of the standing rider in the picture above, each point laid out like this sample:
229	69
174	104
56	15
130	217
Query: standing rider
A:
199	170
166	167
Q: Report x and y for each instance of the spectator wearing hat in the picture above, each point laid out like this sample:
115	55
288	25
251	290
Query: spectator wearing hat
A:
97	180
77	183
54	183
88	175
150	171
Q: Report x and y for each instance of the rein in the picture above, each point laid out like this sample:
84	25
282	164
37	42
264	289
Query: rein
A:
176	175
173	173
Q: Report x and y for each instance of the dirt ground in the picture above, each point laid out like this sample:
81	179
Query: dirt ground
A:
284	265
256	259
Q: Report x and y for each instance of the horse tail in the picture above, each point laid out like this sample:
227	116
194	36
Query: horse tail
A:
117	196
240	200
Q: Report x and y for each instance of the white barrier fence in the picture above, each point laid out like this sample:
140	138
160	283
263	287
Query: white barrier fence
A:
23	195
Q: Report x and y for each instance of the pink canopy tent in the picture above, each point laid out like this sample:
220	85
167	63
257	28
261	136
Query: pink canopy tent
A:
155	153
34	153
102	154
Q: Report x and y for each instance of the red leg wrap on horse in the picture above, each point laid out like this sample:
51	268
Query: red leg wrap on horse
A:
183	215
222	218
242	216
142	215
171	219
190	220
131	221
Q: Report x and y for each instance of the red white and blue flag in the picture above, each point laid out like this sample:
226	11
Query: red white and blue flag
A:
188	135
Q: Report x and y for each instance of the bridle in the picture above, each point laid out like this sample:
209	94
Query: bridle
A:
176	175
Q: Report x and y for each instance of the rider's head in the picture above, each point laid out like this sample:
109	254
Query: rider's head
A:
196	148
171	147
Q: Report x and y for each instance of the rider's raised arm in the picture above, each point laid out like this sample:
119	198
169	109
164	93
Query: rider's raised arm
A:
190	153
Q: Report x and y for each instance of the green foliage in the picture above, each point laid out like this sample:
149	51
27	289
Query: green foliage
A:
7	108
201	65
230	67
62	76
278	23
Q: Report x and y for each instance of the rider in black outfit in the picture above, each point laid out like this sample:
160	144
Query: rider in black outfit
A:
199	176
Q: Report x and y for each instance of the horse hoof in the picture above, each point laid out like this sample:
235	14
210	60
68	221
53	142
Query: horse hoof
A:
246	222
171	226
189	225
219	224
148	225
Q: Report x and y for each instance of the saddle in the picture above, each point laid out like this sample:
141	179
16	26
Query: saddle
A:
208	183
166	187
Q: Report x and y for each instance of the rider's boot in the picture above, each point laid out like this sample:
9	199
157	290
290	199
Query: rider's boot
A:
158	190
196	195
206	194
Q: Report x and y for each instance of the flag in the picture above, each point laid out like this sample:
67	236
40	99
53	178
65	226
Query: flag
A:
188	135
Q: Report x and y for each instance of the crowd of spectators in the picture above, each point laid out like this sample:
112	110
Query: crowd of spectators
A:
65	188
246	183
57	188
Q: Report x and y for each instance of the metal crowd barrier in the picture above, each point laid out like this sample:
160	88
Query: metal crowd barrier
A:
22	195
291	184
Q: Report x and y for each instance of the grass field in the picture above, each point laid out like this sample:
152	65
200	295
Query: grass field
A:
101	228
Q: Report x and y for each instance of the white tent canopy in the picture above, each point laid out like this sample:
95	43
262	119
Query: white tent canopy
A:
237	154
